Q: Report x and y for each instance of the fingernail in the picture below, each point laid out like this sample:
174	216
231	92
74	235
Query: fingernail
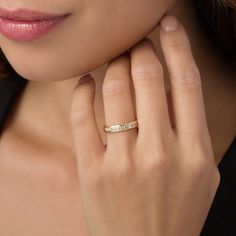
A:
170	24
85	78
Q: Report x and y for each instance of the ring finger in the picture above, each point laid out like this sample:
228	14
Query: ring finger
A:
118	104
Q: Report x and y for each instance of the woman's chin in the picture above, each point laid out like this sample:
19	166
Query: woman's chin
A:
34	72
46	76
43	75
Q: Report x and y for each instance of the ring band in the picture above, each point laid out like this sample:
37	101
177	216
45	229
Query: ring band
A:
120	127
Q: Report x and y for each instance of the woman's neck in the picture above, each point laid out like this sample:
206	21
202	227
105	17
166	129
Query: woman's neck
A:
44	107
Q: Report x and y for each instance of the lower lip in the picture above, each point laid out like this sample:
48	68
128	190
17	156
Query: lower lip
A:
28	30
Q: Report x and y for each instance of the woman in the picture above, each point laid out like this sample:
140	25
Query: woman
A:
61	173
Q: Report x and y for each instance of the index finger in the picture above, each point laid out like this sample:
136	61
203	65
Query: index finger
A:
185	79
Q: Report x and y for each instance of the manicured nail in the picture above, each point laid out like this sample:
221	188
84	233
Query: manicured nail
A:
85	78
169	24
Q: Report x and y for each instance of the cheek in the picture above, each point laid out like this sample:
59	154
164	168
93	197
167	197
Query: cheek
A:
86	41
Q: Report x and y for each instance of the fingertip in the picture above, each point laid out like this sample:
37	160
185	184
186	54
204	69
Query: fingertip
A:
173	34
85	78
169	23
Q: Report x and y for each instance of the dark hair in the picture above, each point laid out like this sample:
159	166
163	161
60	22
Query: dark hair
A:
218	18
5	67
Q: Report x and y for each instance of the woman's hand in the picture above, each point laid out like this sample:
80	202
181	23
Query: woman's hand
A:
159	179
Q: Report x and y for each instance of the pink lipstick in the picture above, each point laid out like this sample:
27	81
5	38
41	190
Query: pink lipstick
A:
27	25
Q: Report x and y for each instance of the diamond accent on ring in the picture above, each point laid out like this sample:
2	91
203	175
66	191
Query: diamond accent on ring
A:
121	127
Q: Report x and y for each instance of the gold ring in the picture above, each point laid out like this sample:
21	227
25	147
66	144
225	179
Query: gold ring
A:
120	127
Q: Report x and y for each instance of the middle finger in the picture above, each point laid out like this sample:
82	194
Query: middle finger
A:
151	101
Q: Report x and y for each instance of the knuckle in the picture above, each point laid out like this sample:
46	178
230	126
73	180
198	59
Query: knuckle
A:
153	70
115	88
158	151
188	78
156	165
114	172
200	168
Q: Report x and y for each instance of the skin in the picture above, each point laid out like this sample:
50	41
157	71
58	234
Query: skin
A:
89	19
131	187
48	193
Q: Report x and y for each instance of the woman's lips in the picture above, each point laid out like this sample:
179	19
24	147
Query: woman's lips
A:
26	25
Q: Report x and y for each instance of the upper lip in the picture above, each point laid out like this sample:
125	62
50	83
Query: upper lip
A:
27	15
